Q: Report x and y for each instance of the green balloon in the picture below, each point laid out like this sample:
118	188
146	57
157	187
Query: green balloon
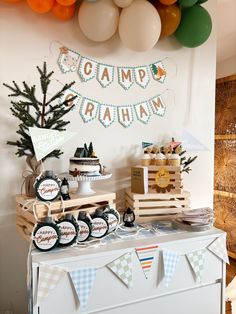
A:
201	1
187	3
195	27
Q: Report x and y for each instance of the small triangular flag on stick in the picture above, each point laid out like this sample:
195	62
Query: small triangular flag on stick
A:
197	261
218	247
49	277
122	268
146	144
83	280
146	257
46	140
191	143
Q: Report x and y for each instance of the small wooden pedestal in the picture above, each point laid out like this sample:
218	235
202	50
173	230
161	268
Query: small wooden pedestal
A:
158	206
25	219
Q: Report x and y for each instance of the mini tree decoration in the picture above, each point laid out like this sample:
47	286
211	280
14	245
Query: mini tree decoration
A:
33	112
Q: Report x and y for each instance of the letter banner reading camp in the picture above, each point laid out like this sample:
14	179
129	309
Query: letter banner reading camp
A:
105	74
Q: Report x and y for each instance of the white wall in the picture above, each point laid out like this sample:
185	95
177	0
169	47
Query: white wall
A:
25	41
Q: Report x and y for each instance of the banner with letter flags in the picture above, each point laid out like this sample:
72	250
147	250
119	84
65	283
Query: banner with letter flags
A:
83	279
107	114
88	69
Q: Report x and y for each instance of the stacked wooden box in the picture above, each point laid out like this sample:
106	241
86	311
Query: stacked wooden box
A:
159	206
25	219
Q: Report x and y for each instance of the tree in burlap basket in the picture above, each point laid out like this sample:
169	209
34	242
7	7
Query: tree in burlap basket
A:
47	113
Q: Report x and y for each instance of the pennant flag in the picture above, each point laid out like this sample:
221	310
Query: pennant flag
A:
83	280
122	268
67	60
146	144
170	260
142	112
141	75
46	140
87	69
48	279
158	106
125	77
190	143
197	262
125	115
158	71
105	74
146	257
89	109
69	94
107	115
218	247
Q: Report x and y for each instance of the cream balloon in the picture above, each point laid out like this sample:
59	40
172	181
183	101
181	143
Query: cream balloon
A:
140	26
123	3
98	20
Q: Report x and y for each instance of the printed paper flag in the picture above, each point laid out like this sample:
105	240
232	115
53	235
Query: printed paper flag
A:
67	60
105	74
68	95
125	115
170	260
218	247
158	71
48	279
107	115
83	280
87	69
190	143
46	140
146	144
125	77
146	257
197	262
157	105
89	109
141	75
142	112
122	268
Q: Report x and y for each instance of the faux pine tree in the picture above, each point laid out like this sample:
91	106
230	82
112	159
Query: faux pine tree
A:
34	112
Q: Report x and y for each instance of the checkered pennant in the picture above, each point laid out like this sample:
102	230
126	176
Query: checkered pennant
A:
218	247
170	260
197	262
122	268
48	279
83	280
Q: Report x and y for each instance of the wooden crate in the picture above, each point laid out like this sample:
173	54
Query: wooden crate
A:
159	206
175	179
25	220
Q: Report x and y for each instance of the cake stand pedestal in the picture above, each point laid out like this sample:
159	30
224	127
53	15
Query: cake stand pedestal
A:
84	182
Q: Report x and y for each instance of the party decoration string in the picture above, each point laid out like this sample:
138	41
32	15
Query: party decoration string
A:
89	69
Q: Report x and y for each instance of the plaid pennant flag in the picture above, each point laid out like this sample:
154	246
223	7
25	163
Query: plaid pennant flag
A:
170	260
146	257
197	262
218	247
122	268
83	280
48	279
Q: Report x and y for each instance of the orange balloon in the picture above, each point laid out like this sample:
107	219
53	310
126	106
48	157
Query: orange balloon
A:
66	2
41	6
12	1
168	2
170	18
63	13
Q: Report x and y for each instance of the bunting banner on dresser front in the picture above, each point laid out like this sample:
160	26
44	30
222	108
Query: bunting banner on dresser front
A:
126	76
218	247
122	267
83	281
170	260
197	261
107	114
49	277
146	257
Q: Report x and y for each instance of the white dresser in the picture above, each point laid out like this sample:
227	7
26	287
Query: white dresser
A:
110	296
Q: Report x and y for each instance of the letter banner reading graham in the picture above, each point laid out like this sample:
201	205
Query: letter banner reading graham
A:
105	74
107	114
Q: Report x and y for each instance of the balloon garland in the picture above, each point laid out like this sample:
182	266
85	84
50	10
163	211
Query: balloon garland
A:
140	23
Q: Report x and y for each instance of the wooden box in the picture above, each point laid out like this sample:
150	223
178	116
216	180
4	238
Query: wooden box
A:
25	219
159	206
164	179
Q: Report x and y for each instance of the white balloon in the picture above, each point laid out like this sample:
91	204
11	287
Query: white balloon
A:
123	3
140	26
98	20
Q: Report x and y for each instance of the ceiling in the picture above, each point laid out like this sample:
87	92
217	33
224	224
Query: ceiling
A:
226	30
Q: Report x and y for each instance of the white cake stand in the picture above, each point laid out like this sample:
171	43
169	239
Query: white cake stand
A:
84	182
